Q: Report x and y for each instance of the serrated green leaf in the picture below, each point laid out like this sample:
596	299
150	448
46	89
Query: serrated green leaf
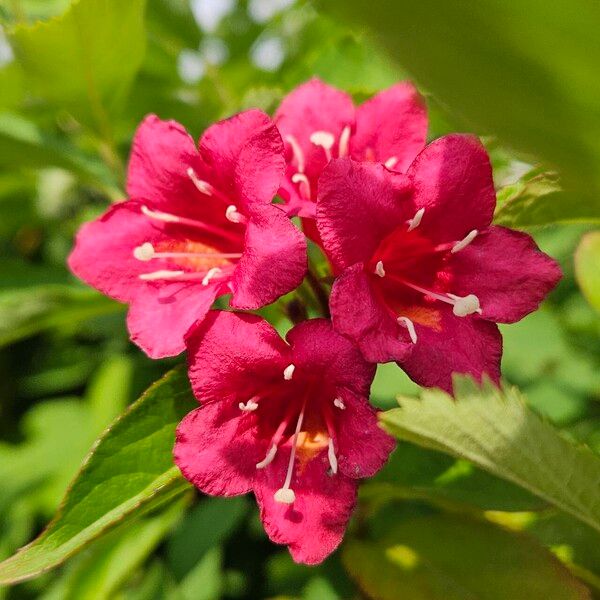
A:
129	470
85	59
496	431
587	267
453	558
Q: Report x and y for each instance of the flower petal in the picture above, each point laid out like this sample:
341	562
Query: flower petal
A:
453	183
234	355
314	525
468	345
363	447
274	261
507	272
317	348
358	205
216	449
359	314
391	125
245	157
161	315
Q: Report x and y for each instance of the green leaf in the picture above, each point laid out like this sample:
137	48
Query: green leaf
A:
453	558
497	432
86	59
587	267
525	71
129	471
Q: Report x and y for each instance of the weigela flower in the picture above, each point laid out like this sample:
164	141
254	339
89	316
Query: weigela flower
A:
199	223
319	122
288	421
425	277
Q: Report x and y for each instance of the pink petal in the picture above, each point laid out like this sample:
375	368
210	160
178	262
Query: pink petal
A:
359	314
274	261
313	526
363	446
467	345
453	183
103	252
234	355
507	272
317	348
392	124
161	315
216	449
245	156
358	205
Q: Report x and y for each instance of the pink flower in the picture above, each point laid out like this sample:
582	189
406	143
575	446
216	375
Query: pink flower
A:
424	274
289	422
199	223
319	122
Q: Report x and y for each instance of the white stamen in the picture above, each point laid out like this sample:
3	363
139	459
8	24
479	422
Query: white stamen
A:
379	270
325	140
303	183
466	305
211	274
339	403
297	151
284	494
390	163
416	220
203	186
161	275
464	242
159	216
333	463
268	459
232	214
343	143
249	406
406	322
144	252
288	372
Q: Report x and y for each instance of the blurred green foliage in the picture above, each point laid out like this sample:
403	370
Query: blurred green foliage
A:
73	87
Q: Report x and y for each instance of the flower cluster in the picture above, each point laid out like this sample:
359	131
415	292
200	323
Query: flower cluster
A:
421	277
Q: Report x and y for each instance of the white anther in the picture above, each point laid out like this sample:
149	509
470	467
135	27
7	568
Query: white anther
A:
288	372
339	403
304	184
406	322
249	406
325	140
144	252
379	270
344	140
268	459
211	274
390	163
297	151
466	305
203	186
232	214
416	220
285	496
464	242
333	463
161	275
159	216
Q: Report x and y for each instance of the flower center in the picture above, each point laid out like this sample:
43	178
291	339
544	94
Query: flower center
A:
307	424
196	260
410	271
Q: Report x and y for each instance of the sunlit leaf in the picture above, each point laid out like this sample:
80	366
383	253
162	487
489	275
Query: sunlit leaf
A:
587	267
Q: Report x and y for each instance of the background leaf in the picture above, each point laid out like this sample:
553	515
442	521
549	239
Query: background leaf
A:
587	267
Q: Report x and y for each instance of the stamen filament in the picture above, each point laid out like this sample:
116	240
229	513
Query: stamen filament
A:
297	152
211	274
164	274
406	322
344	142
268	459
202	186
303	184
464	242
333	463
416	220
325	140
232	214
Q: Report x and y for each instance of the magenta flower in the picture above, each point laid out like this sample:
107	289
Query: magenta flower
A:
425	277
319	122
199	223
289	422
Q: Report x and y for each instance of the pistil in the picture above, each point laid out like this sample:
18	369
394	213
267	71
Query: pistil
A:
147	252
325	140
